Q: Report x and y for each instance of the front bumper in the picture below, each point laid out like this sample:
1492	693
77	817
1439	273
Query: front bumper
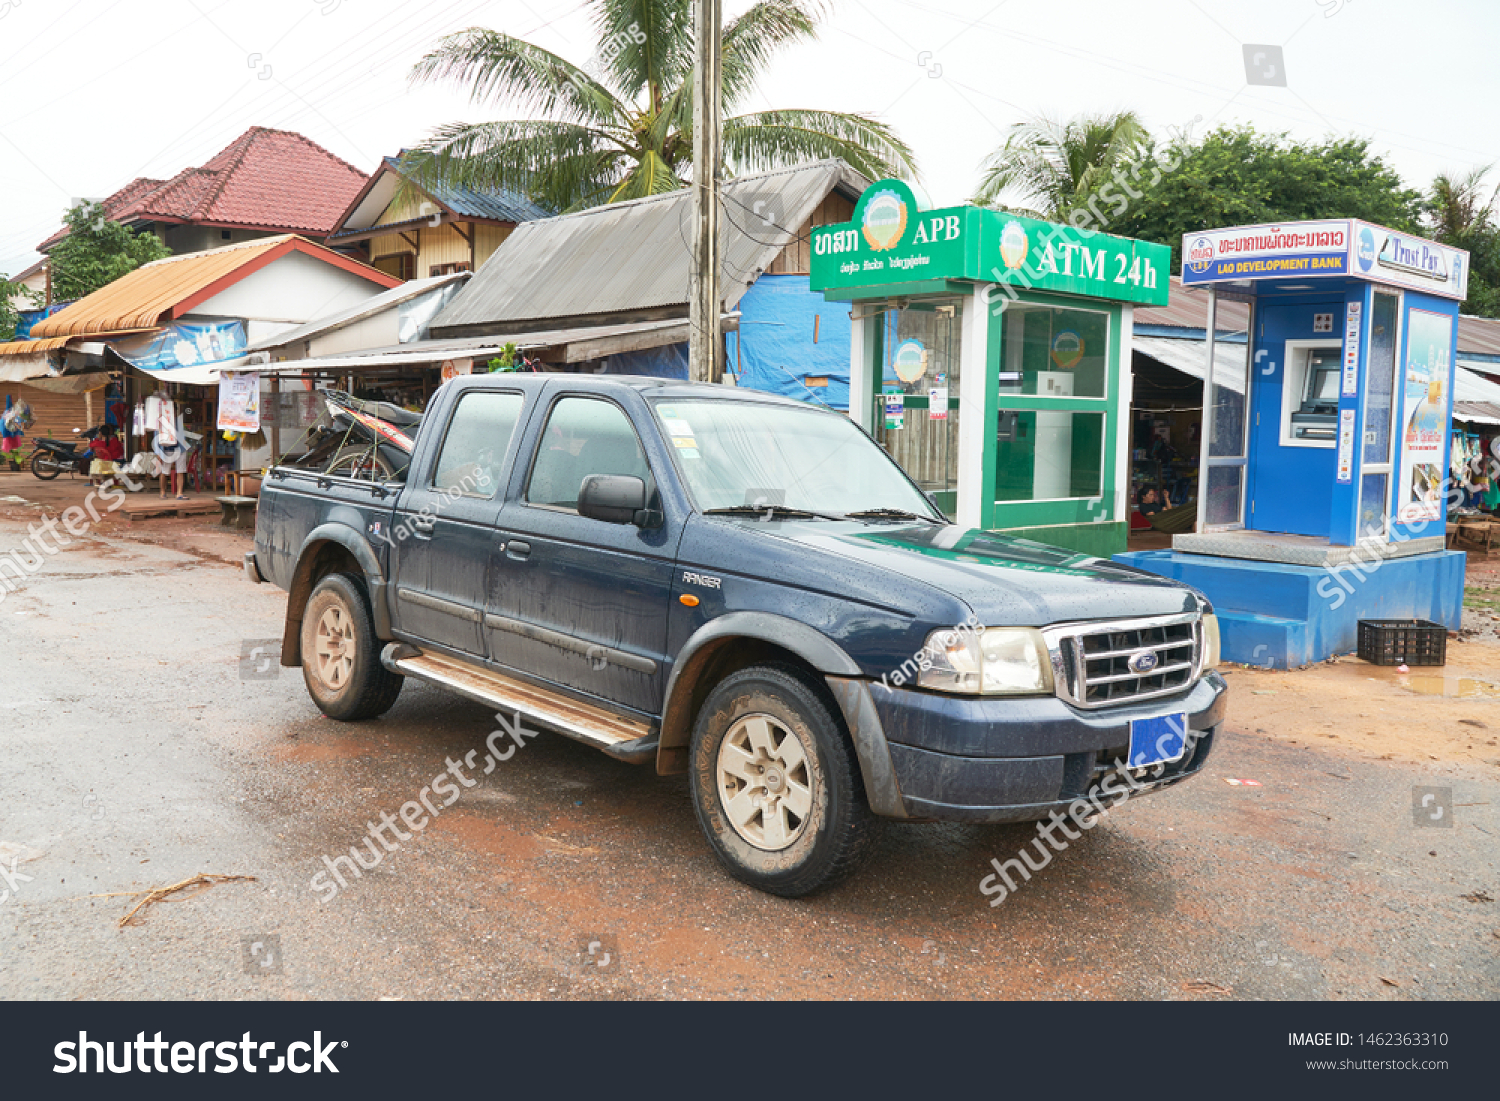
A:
966	759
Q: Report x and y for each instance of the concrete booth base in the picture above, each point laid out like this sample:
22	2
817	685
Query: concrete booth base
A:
1278	615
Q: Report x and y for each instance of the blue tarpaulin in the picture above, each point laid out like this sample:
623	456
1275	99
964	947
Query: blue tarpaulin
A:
776	350
668	361
31	317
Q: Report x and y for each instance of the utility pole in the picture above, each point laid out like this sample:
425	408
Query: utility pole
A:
705	342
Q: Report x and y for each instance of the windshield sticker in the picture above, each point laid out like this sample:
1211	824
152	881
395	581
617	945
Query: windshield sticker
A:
666	412
684	441
676	426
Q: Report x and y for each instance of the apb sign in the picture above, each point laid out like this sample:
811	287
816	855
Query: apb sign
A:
892	241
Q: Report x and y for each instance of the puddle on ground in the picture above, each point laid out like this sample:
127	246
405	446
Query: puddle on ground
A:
1462	687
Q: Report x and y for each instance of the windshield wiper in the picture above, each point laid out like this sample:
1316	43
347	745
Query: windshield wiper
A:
890	514
770	512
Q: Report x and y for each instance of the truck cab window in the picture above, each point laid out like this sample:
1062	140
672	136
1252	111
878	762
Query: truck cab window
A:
583	436
473	454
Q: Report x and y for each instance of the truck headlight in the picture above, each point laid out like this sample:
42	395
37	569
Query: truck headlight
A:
998	661
1210	642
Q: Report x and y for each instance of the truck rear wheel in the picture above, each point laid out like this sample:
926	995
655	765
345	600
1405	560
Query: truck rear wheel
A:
341	653
776	784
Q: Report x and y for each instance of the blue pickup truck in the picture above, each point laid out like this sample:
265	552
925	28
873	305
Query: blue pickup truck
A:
743	588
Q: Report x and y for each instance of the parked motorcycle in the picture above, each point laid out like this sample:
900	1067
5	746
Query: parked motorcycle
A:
54	457
365	440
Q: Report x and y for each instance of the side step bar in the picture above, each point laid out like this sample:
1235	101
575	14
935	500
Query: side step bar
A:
622	738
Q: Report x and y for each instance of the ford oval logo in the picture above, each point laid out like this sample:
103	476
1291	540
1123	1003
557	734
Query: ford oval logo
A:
1142	662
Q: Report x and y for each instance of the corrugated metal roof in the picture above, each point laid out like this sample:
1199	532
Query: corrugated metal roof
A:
1188	357
358	312
144	298
1485	412
31	347
1469	386
1187	308
582	342
502	205
1479	335
374	198
635	255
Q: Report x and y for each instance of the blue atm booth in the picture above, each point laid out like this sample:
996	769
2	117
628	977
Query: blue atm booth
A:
1323	484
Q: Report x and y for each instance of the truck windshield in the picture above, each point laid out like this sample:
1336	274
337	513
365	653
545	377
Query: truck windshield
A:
736	453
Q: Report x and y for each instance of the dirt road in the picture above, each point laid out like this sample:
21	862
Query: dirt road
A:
140	748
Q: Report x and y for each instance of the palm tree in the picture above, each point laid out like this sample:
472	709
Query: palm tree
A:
1060	166
621	127
1457	208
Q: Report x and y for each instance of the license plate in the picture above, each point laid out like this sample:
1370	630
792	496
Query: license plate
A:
1157	741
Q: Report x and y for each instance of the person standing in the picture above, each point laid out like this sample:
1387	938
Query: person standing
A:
108	451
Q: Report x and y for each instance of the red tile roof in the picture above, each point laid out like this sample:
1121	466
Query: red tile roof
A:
266	179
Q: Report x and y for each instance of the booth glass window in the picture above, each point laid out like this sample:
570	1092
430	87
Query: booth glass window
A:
1380	405
917	422
1048	454
1049	352
1226	491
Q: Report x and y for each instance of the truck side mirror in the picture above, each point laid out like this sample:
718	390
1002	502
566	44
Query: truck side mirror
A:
614	498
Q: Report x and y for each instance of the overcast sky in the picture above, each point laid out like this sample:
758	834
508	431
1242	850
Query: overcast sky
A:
96	92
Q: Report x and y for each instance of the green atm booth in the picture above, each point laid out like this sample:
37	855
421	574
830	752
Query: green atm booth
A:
990	355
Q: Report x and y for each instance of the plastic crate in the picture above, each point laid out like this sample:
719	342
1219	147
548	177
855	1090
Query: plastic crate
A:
1402	642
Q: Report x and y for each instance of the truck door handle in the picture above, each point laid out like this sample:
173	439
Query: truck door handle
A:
423	524
517	549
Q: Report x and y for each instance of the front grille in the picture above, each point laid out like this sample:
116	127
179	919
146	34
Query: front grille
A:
1112	663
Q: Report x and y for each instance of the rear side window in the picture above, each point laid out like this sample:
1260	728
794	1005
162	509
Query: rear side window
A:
472	458
583	436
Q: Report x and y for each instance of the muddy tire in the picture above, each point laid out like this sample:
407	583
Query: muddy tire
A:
341	653
776	783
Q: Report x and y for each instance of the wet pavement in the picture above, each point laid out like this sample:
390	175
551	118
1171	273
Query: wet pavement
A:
143	743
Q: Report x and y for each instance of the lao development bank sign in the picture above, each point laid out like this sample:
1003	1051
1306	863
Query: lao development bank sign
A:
891	241
1344	247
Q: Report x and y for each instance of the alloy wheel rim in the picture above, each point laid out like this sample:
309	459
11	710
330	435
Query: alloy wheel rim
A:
335	648
764	782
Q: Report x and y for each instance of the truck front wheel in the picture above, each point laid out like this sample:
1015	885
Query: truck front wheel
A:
776	784
341	654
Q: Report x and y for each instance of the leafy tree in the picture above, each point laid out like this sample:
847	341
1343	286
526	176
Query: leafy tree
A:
97	251
1061	165
1237	176
10	311
621	128
1459	210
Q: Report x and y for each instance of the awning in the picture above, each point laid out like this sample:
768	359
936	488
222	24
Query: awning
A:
575	345
1187	356
200	374
72	384
1477	412
21	360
